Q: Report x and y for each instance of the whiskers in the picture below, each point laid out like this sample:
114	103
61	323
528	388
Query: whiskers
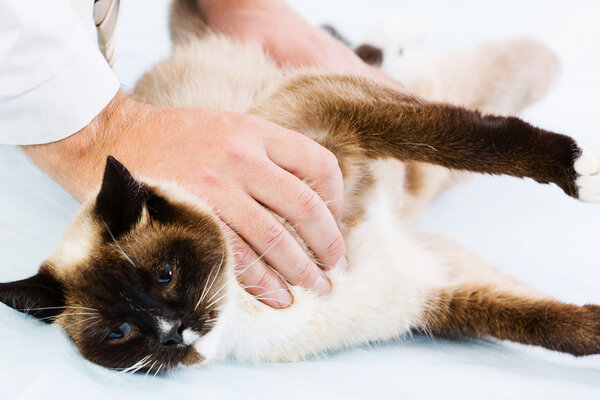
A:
135	367
92	324
207	288
73	313
158	370
212	301
95	317
155	365
56	308
262	295
61	308
238	273
217	300
118	246
152	366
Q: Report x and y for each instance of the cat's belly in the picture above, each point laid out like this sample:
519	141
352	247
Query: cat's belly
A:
381	296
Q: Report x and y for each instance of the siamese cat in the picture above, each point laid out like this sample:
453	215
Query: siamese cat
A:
145	277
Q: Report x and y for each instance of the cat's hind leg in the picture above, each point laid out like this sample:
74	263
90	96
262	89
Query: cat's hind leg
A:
481	301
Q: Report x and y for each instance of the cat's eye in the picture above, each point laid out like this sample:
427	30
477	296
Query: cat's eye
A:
120	332
165	275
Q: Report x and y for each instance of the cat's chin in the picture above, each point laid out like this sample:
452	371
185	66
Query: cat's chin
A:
193	358
208	345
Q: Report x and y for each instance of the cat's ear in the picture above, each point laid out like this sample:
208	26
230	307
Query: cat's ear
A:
41	295
121	198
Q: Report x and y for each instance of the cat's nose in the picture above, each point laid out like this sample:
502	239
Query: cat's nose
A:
170	335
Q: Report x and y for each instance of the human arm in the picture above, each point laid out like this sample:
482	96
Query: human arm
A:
232	160
58	120
285	35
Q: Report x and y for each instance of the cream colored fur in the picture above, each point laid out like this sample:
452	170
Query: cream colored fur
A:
500	78
394	270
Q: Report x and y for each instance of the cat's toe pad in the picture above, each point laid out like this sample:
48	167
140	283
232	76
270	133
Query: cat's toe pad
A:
587	167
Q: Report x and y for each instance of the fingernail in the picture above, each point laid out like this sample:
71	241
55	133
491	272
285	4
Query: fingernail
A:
284	298
342	263
321	286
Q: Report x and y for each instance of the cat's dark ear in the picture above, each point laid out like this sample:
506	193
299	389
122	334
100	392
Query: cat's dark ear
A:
41	295
121	199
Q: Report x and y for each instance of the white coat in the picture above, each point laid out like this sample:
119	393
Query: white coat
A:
53	78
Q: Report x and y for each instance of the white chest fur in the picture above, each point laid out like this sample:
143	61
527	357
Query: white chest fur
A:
381	296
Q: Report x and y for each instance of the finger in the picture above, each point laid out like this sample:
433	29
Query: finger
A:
274	243
298	203
257	278
307	159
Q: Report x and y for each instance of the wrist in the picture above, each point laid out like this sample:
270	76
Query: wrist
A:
211	6
243	17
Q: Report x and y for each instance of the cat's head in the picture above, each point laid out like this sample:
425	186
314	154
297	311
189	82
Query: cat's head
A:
137	279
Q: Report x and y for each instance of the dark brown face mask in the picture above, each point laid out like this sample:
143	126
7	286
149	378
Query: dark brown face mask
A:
142	285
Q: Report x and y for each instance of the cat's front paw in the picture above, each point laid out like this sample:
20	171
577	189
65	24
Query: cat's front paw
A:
587	167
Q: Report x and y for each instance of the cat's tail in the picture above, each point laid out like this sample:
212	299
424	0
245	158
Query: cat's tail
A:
186	21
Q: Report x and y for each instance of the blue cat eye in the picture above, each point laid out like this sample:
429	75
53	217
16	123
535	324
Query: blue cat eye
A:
120	332
166	275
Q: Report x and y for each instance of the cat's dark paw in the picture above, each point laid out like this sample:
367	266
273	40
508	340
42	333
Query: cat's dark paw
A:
579	331
593	334
587	167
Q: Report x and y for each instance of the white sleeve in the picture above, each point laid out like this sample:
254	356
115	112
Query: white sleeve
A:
53	79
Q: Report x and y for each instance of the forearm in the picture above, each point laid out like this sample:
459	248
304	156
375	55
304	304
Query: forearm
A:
76	162
227	159
237	163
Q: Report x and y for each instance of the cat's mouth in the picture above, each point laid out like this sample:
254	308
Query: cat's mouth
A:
190	336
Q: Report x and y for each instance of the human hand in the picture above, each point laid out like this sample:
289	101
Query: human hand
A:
286	36
237	163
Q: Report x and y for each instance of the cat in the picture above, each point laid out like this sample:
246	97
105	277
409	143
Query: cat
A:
145	278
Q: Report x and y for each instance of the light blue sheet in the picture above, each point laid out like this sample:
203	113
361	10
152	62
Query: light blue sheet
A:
530	230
